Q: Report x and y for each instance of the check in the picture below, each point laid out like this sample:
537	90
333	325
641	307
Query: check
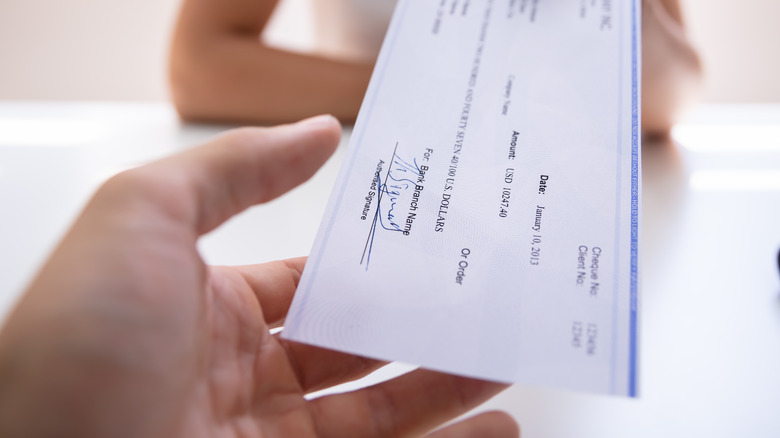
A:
485	221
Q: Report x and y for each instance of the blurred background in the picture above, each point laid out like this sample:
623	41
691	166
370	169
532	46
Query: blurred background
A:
116	50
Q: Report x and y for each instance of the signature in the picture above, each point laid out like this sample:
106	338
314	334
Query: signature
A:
398	183
400	180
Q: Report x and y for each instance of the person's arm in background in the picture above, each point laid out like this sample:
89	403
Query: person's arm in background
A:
221	71
671	68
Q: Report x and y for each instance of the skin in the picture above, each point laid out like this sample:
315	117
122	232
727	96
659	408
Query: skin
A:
671	67
221	71
125	332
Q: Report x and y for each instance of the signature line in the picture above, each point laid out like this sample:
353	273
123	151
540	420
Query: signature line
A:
372	231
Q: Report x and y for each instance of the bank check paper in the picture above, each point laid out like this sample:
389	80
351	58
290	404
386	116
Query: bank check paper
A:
485	220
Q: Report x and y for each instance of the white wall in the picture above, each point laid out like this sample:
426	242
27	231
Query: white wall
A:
84	49
740	46
116	49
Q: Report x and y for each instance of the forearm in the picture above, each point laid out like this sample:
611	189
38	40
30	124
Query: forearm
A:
237	79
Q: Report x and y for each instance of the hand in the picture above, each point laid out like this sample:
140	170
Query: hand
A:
125	332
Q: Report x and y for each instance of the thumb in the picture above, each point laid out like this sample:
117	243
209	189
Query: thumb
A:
246	166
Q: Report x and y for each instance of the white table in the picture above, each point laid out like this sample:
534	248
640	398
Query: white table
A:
710	351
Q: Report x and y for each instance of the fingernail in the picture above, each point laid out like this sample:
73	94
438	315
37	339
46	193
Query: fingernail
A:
318	122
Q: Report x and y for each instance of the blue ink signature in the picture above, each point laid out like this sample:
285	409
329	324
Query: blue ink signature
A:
400	180
401	175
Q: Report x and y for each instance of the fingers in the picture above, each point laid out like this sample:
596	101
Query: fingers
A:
318	368
244	167
274	285
492	424
409	405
